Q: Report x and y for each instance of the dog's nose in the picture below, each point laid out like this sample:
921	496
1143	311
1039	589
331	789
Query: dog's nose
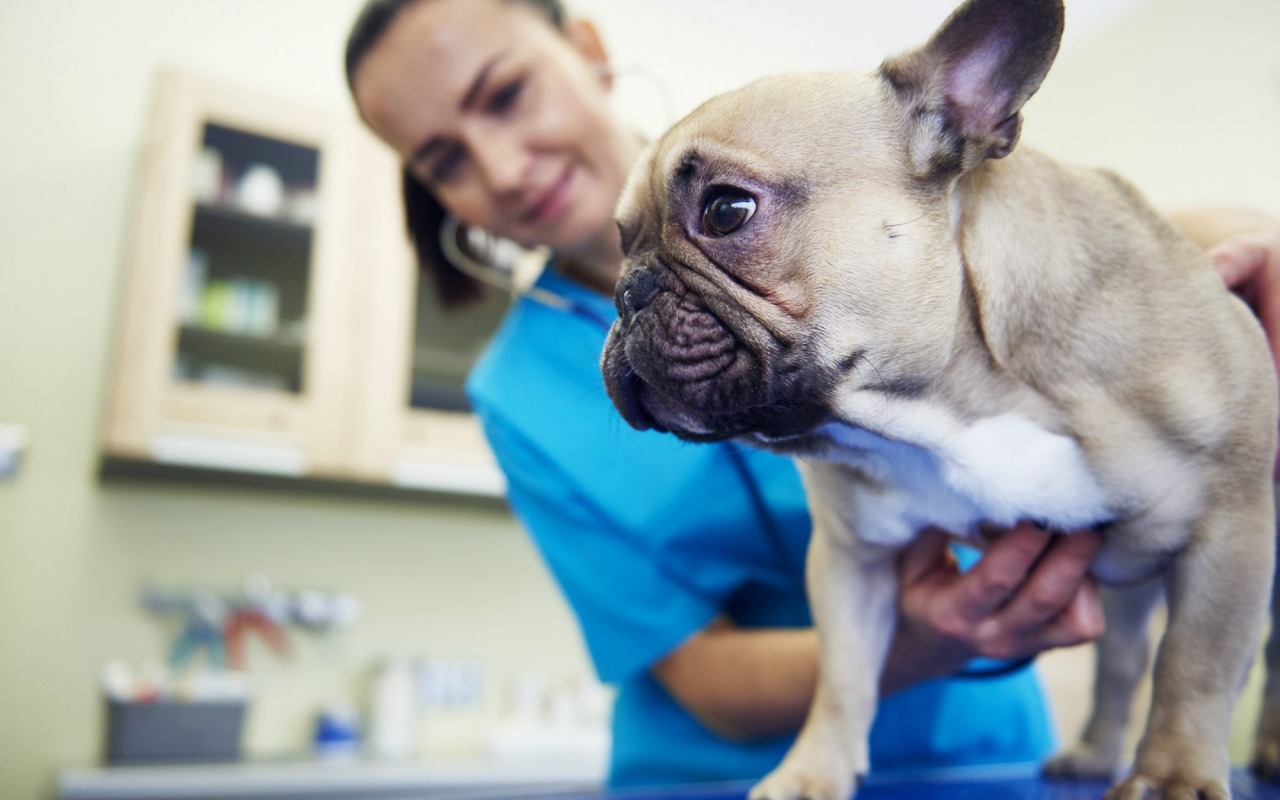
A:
635	291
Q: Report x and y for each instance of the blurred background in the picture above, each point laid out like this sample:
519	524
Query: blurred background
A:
142	449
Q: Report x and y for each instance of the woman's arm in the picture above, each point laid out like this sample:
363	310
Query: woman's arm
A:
1028	593
744	683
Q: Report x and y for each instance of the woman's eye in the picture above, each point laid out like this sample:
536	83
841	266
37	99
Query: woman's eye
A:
447	166
506	97
726	211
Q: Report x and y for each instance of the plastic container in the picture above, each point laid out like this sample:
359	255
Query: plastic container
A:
337	731
168	731
393	712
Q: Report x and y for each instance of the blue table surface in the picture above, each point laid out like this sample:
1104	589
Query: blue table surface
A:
942	786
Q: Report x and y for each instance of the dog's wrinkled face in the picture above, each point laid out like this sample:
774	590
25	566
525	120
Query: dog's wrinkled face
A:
771	264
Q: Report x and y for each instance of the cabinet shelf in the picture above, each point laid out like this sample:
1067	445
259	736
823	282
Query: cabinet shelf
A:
218	221
241	359
230	342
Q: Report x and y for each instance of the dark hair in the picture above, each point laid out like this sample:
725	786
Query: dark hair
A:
422	212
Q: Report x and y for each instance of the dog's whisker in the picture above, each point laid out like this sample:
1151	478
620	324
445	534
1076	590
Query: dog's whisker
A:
908	222
891	228
862	357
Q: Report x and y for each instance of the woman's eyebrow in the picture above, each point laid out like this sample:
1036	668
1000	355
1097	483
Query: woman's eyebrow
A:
482	77
469	99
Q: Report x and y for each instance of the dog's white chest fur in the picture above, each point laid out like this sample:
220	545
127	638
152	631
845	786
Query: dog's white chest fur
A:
936	470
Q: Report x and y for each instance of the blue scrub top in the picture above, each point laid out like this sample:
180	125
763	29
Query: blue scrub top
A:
650	538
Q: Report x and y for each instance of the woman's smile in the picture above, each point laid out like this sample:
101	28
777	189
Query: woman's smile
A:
551	202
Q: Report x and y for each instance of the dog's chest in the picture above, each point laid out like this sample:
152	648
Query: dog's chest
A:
932	469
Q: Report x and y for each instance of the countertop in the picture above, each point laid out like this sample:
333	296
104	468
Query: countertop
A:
334	779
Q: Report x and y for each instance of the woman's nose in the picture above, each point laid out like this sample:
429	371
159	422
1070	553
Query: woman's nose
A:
502	163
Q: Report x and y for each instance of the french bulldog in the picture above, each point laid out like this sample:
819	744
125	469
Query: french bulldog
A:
861	270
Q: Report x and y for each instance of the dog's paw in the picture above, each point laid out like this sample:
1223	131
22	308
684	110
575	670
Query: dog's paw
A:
1144	787
1266	759
1082	762
791	784
819	766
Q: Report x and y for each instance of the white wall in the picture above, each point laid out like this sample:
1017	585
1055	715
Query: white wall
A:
1181	95
698	48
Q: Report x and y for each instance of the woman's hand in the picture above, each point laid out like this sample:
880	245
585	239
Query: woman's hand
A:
1030	592
1249	263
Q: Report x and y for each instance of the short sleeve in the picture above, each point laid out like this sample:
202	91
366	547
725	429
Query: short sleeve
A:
648	537
632	610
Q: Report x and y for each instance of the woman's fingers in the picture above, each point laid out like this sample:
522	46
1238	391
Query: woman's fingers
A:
1051	587
1000	573
1082	622
1030	591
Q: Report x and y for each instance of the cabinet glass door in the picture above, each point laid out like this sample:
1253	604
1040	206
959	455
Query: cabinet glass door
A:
243	303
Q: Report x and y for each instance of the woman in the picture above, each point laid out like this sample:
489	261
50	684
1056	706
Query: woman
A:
683	563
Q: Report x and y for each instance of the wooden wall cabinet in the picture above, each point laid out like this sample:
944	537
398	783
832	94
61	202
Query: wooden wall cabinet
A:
271	314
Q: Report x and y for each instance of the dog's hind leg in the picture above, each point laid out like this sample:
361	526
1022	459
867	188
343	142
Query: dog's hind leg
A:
1217	590
1266	756
1121	658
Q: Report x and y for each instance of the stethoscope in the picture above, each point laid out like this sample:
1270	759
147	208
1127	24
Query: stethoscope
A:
508	267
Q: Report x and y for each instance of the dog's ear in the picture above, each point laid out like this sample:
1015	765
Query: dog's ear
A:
963	90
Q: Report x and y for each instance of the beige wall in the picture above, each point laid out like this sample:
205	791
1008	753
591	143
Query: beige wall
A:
1182	95
434	577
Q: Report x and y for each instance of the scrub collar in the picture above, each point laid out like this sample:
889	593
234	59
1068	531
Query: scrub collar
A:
565	294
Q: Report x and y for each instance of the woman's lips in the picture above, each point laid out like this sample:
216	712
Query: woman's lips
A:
553	201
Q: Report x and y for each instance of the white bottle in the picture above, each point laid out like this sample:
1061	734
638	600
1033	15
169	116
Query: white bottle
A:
393	724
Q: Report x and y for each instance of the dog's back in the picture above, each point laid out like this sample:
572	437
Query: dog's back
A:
1104	307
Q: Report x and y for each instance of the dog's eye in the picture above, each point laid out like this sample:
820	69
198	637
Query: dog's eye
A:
726	211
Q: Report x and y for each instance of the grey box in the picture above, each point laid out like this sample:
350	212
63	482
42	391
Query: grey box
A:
168	732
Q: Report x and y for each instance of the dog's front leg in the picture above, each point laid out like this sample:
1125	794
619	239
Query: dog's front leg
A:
852	587
1266	758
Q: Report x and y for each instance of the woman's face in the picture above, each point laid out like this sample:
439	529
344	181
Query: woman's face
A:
502	116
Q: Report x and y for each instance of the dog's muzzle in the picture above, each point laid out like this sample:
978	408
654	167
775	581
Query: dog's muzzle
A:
670	363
